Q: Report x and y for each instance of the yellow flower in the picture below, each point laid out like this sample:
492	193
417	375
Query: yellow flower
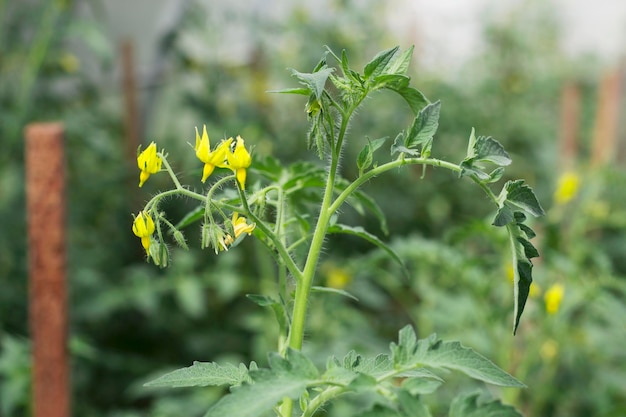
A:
549	349
337	277
239	160
213	159
567	188
240	226
553	298
143	227
148	162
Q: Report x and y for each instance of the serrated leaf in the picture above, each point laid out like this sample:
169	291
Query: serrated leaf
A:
365	158
522	273
496	174
288	377
503	217
488	149
378	63
529	250
391	81
362	233
423	129
521	195
530	233
412	405
421	385
400	62
468	169
203	374
314	81
436	354
375	366
473	406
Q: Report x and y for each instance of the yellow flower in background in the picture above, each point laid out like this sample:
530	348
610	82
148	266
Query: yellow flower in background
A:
143	227
337	277
553	298
567	188
239	160
240	226
217	158
148	162
549	349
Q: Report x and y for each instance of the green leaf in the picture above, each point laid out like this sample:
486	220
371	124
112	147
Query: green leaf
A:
400	62
522	271
203	374
421	385
436	354
336	291
473	406
362	233
374	208
393	82
520	195
484	149
315	81
414	98
300	91
503	217
366	156
378	63
423	129
191	217
287	377
412	405
488	149
277	307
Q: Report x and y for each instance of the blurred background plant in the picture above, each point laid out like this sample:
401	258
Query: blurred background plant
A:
212	65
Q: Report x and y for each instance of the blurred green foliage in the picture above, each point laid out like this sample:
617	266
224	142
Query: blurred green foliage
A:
130	322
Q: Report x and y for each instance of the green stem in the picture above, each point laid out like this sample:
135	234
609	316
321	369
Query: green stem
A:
296	332
284	255
396	164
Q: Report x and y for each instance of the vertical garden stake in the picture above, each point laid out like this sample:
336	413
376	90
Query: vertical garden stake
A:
45	200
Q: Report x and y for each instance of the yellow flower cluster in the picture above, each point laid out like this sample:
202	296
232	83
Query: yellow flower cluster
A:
222	156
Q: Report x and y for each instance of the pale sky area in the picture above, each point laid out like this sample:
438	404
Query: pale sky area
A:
449	30
446	32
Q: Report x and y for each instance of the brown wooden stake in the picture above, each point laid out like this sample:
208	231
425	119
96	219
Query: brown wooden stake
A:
605	130
45	204
570	124
131	112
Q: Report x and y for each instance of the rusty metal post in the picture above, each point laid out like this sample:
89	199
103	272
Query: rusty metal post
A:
45	201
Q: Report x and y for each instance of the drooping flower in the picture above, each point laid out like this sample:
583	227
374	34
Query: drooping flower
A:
148	162
241	226
217	158
238	160
567	188
143	227
553	298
